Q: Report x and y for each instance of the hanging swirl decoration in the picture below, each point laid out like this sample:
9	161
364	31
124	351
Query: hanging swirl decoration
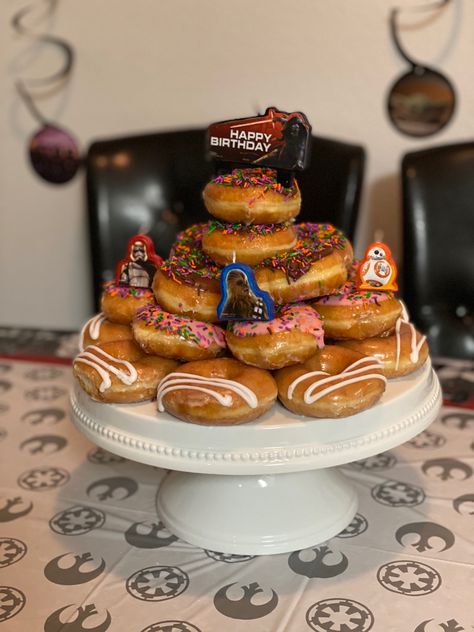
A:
53	151
421	101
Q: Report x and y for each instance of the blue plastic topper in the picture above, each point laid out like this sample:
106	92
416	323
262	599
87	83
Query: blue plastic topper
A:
241	298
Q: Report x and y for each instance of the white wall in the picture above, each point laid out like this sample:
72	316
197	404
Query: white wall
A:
144	65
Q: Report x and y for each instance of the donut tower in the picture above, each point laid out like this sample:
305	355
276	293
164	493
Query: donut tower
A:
250	307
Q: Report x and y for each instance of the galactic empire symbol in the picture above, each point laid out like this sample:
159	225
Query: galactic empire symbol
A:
45	393
427	439
157	583
357	526
339	615
228	558
409	578
12	601
171	626
77	520
103	457
43	478
398	494
11	551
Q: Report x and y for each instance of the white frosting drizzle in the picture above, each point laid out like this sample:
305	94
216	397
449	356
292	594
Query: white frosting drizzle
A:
104	369
414	347
94	325
190	381
347	376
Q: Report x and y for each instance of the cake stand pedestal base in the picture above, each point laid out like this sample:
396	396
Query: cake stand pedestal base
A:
257	515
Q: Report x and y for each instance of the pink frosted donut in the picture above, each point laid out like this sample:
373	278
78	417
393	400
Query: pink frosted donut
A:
290	338
177	337
120	302
351	314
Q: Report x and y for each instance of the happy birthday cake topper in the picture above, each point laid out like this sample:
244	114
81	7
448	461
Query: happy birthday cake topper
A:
377	270
241	297
279	140
139	266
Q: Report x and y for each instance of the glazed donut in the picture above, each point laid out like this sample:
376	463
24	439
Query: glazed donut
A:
252	196
120	372
250	244
317	266
352	314
290	338
99	329
334	382
177	337
401	353
120	302
222	391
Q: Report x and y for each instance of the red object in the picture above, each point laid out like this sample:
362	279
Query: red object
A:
140	254
377	270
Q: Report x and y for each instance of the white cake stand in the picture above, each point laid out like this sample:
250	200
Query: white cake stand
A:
265	487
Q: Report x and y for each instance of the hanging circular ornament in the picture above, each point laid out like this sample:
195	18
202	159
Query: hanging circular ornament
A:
421	101
54	152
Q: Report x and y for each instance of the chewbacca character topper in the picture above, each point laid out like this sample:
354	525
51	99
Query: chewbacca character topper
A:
139	266
242	299
377	270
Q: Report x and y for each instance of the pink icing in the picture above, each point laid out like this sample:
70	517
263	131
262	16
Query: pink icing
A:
301	317
350	295
201	333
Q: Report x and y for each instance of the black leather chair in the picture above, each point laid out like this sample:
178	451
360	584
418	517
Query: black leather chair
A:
438	234
153	183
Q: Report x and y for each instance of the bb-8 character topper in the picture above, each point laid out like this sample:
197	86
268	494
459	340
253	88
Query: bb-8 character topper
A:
377	270
139	266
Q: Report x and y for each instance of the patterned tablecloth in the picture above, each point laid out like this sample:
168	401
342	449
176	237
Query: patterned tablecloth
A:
81	546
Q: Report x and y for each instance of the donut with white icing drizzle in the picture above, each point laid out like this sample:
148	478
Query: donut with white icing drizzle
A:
221	391
400	353
98	329
120	372
335	382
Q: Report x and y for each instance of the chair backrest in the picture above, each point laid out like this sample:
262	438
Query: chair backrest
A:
438	242
153	183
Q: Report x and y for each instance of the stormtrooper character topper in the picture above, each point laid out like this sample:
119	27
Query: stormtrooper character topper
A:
377	270
139	266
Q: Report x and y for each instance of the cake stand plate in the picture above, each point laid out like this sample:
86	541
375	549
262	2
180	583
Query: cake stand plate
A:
270	486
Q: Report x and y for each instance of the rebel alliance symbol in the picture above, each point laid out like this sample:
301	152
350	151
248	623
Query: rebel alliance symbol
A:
44	373
429	533
11	551
117	487
447	626
54	623
313	565
44	415
398	494
426	439
339	615
43	478
171	626
45	393
6	515
38	443
149	535
157	583
77	520
465	499
457	419
12	601
358	525
103	457
443	468
71	574
228	558
378	462
243	608
409	578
